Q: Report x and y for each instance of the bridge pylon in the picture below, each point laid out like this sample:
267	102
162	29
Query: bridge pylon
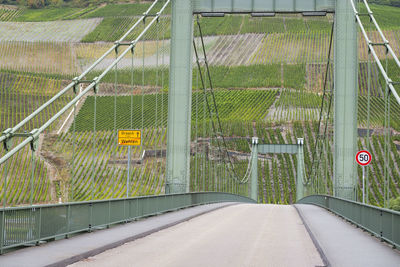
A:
345	115
179	98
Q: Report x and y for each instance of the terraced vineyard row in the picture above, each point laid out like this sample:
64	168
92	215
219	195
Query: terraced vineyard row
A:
308	47
112	28
8	13
247	105
57	31
296	106
18	189
57	58
378	112
20	95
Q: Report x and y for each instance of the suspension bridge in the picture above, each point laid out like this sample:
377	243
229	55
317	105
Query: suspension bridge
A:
138	136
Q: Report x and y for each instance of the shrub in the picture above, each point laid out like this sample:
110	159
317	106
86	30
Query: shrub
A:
394	204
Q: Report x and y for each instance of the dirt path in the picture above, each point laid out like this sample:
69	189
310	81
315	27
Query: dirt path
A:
51	161
272	109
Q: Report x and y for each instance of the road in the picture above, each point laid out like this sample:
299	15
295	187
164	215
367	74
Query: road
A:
239	235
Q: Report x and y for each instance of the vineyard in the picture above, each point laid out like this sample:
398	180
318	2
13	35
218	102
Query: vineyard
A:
19	188
248	104
8	13
268	75
57	31
20	95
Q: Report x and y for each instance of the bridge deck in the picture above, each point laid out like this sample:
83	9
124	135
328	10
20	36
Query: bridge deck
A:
66	251
237	235
240	235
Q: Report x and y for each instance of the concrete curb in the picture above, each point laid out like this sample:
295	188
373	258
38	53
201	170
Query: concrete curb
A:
314	240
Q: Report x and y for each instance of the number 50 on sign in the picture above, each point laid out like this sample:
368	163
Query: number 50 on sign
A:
129	137
363	157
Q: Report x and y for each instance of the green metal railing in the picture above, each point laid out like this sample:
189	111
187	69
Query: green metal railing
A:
383	223
30	225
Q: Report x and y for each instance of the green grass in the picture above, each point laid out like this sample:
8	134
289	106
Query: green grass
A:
294	76
121	10
46	14
220	25
299	100
110	29
51	13
388	17
246	76
257	25
313	24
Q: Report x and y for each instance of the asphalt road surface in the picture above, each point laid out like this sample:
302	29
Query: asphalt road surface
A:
239	235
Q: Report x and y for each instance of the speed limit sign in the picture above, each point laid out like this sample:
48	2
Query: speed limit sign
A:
363	157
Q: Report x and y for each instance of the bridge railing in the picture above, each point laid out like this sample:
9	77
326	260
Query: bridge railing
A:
383	223
30	225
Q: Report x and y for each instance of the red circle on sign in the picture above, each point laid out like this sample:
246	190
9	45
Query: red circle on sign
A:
363	157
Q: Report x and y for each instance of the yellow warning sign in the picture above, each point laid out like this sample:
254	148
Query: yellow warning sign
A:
129	137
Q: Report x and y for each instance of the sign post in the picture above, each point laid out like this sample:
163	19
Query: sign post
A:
363	158
129	138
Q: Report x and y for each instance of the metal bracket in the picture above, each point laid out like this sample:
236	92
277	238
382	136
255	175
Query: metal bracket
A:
389	81
254	141
144	17
76	84
377	44
7	143
35	141
118	44
133	44
385	44
96	86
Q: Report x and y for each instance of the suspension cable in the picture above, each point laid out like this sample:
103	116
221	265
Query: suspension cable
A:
319	137
218	135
